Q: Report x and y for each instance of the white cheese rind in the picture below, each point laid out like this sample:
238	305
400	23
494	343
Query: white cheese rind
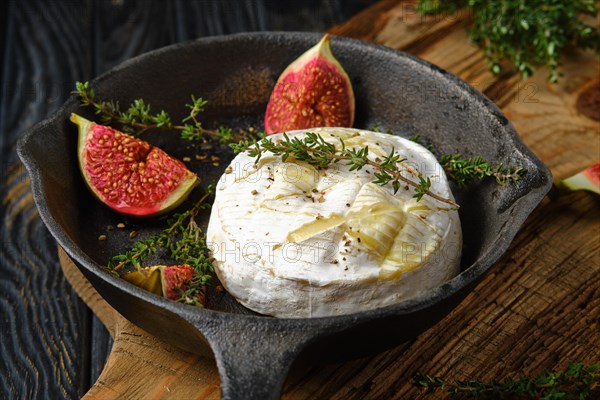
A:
287	242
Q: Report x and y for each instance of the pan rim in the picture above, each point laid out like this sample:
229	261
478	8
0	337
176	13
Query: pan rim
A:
466	277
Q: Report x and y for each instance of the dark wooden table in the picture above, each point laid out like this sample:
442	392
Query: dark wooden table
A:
538	307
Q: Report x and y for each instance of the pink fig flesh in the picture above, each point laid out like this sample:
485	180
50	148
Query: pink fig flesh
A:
175	279
166	281
312	91
593	174
128	174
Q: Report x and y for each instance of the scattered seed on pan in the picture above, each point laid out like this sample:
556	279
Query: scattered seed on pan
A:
254	192
228	170
132	234
215	164
201	157
215	158
102	238
186	159
121	225
110	228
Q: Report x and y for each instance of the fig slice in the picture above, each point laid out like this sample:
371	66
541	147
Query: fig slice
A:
588	179
162	280
129	175
313	91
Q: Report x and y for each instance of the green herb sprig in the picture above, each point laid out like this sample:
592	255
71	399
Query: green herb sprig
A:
576	382
313	149
466	170
528	33
184	242
138	118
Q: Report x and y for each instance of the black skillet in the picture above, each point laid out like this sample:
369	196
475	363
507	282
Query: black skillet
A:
236	74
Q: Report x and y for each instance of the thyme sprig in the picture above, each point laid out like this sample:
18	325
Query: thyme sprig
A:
138	118
464	170
577	381
315	150
183	241
528	33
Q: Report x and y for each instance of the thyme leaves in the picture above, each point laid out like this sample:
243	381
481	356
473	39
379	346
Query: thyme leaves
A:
183	241
313	149
139	117
576	381
529	34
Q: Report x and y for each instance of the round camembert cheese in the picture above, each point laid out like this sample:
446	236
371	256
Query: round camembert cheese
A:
292	240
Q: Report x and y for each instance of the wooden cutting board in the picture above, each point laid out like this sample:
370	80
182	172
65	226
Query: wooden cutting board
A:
537	308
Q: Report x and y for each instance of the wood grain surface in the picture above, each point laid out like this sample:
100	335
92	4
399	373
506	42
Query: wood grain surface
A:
537	308
51	344
45	329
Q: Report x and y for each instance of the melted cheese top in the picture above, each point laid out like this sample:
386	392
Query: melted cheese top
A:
292	240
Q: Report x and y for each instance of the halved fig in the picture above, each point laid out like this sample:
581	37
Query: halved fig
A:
130	175
313	91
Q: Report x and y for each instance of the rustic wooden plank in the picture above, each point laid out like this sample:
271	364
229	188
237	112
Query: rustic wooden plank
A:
43	325
47	50
367	23
205	18
126	28
202	18
549	121
4	23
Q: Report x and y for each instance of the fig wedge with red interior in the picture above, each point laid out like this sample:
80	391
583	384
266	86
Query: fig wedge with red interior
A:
129	175
312	91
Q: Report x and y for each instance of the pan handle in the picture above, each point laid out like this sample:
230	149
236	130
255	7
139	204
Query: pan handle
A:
254	356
